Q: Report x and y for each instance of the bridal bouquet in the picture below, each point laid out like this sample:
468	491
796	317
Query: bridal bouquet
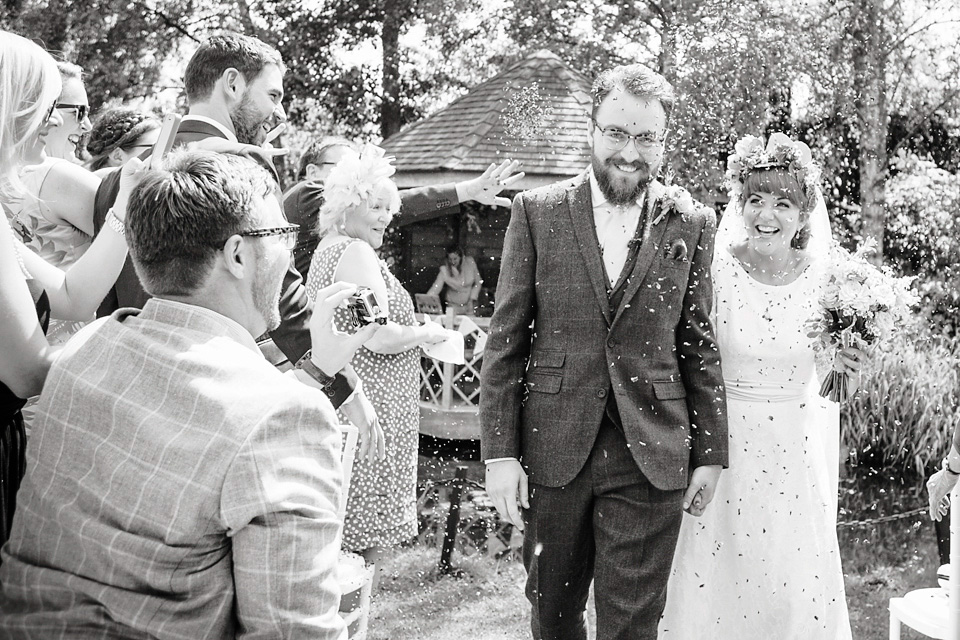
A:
861	306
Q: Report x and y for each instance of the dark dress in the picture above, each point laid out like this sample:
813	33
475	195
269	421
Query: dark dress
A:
13	438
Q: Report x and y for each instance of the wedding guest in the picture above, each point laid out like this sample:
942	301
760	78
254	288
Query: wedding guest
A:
458	282
234	85
302	202
74	108
119	134
31	290
188	489
764	560
360	201
57	202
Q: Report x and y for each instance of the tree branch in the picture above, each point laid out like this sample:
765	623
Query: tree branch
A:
167	20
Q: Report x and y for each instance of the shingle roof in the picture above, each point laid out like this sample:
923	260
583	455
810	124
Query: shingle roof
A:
535	111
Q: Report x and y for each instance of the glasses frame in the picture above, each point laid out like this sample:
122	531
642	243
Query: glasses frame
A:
53	107
287	233
80	110
641	141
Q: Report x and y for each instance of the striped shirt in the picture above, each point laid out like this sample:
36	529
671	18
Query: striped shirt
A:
177	486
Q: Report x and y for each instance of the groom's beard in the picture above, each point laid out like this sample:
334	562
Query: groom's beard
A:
619	188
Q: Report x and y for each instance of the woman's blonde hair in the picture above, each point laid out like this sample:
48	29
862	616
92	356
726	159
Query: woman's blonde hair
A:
29	86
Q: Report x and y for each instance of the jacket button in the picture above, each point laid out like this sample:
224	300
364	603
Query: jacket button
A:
611	343
602	393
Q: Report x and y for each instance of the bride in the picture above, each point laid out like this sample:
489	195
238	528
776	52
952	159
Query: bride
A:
763	560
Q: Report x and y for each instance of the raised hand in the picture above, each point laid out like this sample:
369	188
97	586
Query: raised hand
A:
485	189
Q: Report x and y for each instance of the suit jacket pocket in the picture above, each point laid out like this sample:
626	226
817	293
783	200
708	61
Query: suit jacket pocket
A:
541	382
547	358
668	390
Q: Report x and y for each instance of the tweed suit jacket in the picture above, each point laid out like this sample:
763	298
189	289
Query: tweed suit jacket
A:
177	486
557	349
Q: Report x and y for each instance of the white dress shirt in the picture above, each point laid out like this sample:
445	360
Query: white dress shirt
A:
615	225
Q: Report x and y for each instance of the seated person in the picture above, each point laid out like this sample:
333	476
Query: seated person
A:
458	282
181	486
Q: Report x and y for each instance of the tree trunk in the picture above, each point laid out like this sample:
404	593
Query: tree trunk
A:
667	60
390	39
870	62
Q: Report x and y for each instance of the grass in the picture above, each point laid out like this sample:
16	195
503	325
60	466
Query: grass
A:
486	601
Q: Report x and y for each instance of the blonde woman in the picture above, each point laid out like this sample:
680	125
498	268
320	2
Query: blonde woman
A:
31	290
361	199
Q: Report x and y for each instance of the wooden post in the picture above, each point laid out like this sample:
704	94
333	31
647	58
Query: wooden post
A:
453	521
446	391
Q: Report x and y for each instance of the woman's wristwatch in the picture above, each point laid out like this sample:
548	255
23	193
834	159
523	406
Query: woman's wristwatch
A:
114	222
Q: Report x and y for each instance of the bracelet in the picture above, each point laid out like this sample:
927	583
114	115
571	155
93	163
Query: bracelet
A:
115	223
946	467
308	367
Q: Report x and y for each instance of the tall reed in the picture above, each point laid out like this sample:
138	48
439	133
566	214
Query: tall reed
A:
904	416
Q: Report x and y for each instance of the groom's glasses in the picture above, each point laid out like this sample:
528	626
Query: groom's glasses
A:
617	139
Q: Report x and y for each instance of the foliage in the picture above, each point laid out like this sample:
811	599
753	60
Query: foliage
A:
922	232
908	406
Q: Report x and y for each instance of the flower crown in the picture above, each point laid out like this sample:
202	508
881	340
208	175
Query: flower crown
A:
781	152
354	178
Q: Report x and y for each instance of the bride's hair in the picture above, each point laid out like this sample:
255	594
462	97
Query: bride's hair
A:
783	183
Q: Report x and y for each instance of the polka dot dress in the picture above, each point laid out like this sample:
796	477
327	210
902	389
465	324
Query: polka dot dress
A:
381	507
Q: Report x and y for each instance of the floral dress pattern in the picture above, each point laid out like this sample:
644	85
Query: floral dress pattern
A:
381	506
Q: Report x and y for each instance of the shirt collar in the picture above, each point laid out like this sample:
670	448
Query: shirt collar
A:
199	318
600	200
229	135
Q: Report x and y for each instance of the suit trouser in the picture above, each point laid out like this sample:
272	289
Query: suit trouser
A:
610	525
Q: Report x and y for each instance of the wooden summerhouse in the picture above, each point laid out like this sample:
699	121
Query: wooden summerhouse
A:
535	111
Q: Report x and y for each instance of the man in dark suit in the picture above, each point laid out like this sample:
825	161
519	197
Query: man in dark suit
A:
234	86
602	408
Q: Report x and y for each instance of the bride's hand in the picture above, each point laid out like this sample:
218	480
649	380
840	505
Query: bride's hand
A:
850	361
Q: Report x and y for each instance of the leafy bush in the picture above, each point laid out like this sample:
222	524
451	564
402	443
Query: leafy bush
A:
923	233
904	416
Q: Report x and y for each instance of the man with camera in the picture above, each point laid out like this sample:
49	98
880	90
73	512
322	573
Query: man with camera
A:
181	485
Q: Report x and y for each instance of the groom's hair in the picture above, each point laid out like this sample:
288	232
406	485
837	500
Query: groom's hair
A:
225	51
636	80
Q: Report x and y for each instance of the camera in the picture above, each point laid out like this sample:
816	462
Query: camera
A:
364	309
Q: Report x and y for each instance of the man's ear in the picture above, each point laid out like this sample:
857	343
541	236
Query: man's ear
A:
236	257
312	172
233	83
117	156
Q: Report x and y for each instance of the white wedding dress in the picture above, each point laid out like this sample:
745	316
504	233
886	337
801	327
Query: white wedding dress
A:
763	561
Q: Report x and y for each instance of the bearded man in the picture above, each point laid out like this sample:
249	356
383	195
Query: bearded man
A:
601	406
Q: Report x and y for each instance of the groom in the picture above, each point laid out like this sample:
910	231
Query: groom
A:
602	407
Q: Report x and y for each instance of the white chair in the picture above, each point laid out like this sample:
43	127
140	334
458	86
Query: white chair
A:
934	612
353	574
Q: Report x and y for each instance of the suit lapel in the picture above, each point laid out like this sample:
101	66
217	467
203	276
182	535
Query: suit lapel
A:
648	251
580	208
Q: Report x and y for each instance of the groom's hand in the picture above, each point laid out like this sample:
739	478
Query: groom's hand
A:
703	484
507	487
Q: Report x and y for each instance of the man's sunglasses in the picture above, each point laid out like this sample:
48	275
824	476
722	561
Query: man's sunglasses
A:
81	110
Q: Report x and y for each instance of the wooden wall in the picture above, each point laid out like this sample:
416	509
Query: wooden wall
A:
423	245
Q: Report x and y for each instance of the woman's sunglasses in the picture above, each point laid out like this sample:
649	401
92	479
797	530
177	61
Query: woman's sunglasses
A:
81	110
